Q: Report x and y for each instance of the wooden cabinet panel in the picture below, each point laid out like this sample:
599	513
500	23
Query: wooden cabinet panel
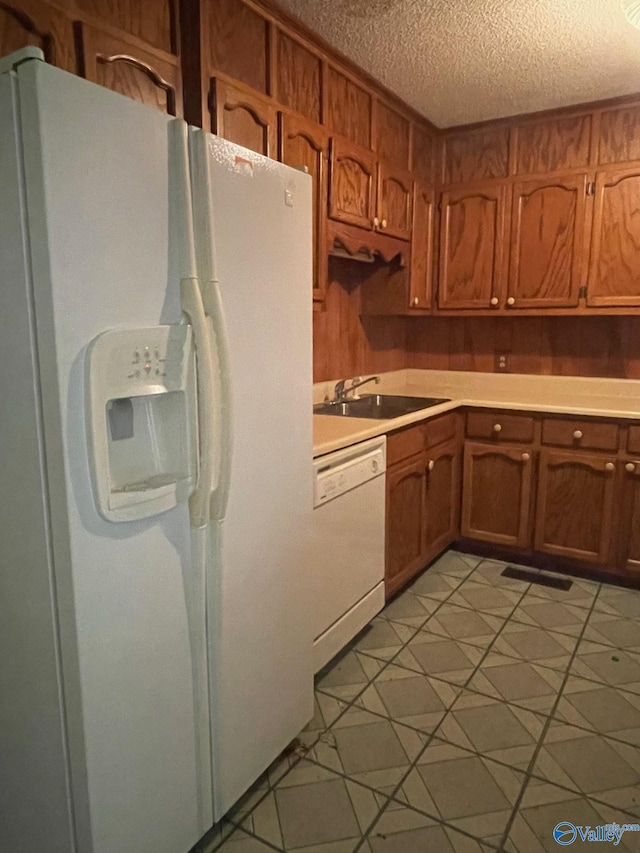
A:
303	143
633	443
587	435
238	42
619	135
442	493
245	119
496	497
153	21
298	75
441	429
421	270
124	67
348	109
395	196
500	426
405	496
404	443
471	247
33	23
423	154
352	184
552	146
628	545
575	505
614	273
476	156
547	232
392	136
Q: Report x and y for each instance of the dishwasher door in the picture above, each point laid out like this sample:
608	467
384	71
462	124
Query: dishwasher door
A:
349	531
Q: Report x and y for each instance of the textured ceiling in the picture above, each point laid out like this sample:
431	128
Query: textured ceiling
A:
461	61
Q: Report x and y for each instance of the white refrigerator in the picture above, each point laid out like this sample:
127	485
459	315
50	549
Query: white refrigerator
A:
155	454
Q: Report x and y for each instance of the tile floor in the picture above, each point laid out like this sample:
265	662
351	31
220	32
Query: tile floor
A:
474	714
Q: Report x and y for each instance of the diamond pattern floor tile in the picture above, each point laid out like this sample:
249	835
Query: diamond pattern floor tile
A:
602	769
551	615
434	584
467	791
409	609
518	682
612	630
462	623
434	655
580	594
348	676
602	709
490	572
383	638
408	697
456	564
485	599
617	667
241	842
535	645
619	602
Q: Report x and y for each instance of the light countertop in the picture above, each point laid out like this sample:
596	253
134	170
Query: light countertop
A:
578	396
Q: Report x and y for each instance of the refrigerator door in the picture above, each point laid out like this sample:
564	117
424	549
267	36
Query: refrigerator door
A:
96	189
257	282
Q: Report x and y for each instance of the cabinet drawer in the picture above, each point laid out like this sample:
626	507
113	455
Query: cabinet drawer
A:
584	434
633	445
404	443
440	429
500	426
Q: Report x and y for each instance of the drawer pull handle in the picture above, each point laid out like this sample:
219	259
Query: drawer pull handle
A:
497	427
577	434
383	223
376	221
630	467
511	301
416	301
526	457
609	466
431	465
494	301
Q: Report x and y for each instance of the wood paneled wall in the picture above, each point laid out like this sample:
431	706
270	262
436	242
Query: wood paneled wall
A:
576	346
346	344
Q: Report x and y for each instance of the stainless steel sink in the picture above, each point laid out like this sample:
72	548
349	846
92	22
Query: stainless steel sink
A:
378	406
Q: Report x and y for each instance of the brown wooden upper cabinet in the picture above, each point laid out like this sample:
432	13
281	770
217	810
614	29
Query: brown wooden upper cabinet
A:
394	202
304	143
146	75
244	118
614	268
352	185
575	504
421	270
33	23
471	267
546	247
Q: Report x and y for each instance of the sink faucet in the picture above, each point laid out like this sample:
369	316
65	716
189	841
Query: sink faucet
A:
340	392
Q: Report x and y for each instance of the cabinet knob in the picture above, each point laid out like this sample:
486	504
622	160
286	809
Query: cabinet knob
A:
630	467
526	457
577	434
376	221
511	301
497	427
384	223
431	465
609	466
416	301
494	301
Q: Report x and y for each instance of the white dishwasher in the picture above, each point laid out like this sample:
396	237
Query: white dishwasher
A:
349	532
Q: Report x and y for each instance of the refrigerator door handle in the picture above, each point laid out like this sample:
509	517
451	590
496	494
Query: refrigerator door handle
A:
209	413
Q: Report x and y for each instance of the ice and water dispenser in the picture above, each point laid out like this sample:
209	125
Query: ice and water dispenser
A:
142	420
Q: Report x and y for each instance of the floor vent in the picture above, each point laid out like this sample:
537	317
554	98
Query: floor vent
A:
532	576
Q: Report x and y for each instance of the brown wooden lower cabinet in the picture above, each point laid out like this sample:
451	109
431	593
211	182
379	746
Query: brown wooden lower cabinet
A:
496	493
442	498
627	557
574	512
405	503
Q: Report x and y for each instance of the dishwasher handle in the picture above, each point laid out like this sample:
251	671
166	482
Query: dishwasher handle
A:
333	480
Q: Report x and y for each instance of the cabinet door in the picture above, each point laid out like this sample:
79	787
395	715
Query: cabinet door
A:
122	65
471	247
614	278
442	493
304	144
244	118
575	505
405	496
33	23
628	545
352	184
421	270
547	229
496	494
395	193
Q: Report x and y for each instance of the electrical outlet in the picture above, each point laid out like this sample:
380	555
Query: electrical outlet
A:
503	362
